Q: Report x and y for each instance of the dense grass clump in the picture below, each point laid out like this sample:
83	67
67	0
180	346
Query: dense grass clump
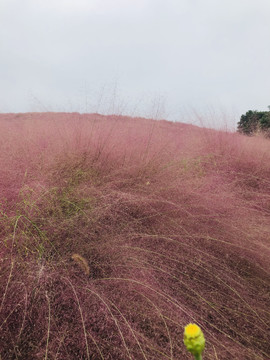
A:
116	232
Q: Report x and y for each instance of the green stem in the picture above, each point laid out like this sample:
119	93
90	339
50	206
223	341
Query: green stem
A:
198	357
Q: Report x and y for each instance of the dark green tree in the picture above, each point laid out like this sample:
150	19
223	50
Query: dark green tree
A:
265	124
248	123
254	121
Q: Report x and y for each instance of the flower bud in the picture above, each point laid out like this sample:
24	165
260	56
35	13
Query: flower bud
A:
194	340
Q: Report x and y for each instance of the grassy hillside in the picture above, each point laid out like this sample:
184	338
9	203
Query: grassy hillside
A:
116	232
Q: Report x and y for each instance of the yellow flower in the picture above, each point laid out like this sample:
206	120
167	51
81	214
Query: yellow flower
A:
192	330
194	340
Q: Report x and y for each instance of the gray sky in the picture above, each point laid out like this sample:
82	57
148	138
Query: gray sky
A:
163	58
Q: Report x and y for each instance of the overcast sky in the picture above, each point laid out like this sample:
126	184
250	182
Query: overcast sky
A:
162	58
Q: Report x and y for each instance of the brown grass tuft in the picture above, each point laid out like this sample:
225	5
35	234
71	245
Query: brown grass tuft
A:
82	262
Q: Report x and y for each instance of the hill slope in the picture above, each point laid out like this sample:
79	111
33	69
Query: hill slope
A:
116	232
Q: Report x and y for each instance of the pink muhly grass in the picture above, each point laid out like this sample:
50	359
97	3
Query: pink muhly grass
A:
116	232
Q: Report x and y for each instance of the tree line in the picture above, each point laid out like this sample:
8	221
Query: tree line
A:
254	122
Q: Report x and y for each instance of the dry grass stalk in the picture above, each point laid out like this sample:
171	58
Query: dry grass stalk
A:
82	262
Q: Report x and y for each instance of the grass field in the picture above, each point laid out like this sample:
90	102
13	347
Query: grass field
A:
116	232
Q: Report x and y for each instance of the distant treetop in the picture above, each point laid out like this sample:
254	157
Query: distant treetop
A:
254	122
